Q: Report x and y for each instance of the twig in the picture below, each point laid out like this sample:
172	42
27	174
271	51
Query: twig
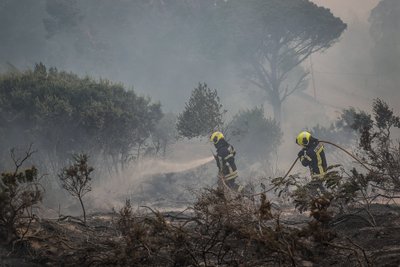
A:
360	248
346	248
284	177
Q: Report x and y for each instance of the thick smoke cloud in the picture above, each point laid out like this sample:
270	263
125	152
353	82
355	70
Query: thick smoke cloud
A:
161	56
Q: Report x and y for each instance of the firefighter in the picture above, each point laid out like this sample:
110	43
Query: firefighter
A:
225	159
312	154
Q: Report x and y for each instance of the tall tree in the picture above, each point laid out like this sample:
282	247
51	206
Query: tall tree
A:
273	37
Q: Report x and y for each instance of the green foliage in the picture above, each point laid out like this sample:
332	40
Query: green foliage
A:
19	192
187	34
255	136
203	113
377	146
63	113
306	26
384	117
337	190
353	119
327	196
76	178
342	131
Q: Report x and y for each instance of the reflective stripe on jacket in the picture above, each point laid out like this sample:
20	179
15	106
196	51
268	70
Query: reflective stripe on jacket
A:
226	160
313	156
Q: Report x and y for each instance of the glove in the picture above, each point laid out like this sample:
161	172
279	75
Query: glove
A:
302	153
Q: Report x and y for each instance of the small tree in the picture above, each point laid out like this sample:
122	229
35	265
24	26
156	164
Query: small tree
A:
377	146
254	135
19	192
76	179
341	131
203	113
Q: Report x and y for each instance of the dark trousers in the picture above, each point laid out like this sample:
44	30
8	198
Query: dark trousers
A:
232	184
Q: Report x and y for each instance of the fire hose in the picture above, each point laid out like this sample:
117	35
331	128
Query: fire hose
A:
294	163
348	153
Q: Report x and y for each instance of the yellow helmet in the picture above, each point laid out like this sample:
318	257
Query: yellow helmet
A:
216	136
303	138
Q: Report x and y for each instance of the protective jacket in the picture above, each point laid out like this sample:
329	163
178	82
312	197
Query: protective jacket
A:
225	159
313	156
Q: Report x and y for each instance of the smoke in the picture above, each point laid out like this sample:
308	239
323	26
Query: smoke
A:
154	166
151	180
157	57
344	75
341	77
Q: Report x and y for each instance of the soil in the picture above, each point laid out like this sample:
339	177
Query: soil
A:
374	239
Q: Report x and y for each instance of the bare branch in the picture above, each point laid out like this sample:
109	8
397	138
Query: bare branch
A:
297	86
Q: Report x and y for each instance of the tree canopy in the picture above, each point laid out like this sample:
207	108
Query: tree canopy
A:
64	114
203	113
271	38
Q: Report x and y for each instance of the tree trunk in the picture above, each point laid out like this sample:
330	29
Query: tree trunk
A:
277	109
83	209
164	149
275	99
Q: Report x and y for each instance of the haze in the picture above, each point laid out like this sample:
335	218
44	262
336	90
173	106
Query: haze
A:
160	57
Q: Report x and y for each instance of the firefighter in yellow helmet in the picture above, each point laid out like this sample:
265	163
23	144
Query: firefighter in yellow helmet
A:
225	159
312	154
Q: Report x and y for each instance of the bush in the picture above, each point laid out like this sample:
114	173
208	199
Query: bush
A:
76	179
255	136
63	113
339	189
19	192
377	148
222	229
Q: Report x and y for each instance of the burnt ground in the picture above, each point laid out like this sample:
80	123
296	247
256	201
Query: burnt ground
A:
68	242
381	242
